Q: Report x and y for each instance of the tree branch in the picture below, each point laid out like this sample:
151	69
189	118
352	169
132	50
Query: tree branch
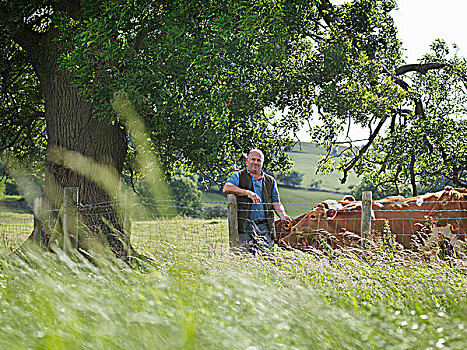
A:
397	80
362	150
419	110
21	33
12	142
140	37
384	164
460	183
392	127
28	122
72	7
421	68
325	9
396	178
132	180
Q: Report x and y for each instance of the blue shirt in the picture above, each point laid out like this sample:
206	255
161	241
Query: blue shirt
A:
257	209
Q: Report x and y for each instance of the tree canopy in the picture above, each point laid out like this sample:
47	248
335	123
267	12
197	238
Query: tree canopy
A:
22	123
200	73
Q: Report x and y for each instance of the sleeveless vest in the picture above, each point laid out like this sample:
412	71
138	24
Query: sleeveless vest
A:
244	203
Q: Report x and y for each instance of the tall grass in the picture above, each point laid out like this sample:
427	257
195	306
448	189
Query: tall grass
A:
179	296
175	299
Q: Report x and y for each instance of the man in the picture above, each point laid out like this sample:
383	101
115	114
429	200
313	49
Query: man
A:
258	199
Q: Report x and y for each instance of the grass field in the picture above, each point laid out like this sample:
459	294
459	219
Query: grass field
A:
183	297
305	157
15	227
185	290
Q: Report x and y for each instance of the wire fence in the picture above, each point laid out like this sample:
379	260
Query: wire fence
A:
159	224
151	224
15	227
210	227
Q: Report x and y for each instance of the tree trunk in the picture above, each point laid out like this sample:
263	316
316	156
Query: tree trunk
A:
73	133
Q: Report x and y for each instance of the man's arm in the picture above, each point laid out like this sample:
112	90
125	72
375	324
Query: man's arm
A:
277	205
280	211
232	189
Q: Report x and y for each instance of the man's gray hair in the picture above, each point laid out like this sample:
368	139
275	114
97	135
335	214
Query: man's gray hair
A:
256	150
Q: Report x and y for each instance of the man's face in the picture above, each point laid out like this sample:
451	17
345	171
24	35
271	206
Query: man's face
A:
254	163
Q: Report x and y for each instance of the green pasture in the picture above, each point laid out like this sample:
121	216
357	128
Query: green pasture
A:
297	202
305	157
186	291
189	234
15	227
213	198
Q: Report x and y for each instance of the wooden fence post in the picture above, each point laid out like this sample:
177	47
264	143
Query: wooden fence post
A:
70	214
233	220
366	217
127	215
37	209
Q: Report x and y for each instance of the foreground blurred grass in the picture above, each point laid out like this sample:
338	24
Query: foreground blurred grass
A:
182	299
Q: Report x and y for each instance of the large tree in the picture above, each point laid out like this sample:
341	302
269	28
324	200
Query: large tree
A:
200	75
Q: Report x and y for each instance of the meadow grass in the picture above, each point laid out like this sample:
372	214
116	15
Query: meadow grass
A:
177	297
15	227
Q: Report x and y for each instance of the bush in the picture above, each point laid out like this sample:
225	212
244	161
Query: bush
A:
215	212
186	195
294	179
316	183
11	189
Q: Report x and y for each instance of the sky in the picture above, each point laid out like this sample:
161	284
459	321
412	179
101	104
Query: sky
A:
419	22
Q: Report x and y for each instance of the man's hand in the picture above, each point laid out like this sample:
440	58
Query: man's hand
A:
253	196
279	209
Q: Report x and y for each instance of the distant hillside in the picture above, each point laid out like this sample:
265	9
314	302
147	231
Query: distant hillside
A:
306	159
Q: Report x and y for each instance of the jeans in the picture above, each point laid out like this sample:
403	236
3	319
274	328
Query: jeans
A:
256	239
